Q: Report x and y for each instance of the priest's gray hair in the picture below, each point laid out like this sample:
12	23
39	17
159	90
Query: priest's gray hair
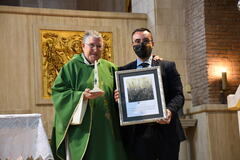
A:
92	33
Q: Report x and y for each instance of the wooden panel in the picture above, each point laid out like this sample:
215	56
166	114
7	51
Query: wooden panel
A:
216	134
223	134
15	59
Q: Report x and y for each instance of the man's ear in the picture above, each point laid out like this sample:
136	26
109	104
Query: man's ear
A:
152	43
132	43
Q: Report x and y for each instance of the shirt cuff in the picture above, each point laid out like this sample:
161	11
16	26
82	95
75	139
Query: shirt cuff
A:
79	111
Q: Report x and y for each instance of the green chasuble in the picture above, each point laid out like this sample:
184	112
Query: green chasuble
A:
98	137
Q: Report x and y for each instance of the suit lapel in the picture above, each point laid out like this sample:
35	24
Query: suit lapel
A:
159	63
133	65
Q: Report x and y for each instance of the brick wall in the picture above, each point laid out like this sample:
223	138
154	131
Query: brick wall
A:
213	43
222	21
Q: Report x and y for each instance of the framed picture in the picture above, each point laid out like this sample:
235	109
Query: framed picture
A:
141	95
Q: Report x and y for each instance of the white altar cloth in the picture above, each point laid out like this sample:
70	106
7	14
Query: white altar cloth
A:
23	135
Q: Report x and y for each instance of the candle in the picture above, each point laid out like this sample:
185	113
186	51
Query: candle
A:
224	80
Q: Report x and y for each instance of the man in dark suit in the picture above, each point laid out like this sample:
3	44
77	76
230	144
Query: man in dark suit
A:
159	140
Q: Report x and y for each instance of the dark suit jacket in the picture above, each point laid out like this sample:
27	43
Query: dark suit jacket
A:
174	99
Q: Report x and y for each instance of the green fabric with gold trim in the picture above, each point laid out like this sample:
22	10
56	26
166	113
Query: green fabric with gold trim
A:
98	136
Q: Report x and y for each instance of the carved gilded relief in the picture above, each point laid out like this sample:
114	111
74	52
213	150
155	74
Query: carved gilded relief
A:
58	47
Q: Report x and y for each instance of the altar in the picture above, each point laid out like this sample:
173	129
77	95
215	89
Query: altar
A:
22	136
233	101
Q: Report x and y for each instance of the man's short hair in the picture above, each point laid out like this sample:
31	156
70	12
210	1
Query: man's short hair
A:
142	30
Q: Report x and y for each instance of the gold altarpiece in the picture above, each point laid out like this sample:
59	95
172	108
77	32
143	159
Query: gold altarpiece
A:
57	47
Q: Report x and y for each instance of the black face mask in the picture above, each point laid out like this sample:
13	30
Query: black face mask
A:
142	51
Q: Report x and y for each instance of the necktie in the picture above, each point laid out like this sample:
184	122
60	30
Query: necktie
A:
144	65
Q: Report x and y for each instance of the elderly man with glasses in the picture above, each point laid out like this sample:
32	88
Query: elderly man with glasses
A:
97	136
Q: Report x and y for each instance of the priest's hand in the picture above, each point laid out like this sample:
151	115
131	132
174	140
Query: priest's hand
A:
116	95
166	120
155	57
91	95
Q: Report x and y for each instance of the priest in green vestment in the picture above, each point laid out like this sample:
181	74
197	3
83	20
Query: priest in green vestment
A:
86	124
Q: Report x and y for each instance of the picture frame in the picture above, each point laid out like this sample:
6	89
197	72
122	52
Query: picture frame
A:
141	95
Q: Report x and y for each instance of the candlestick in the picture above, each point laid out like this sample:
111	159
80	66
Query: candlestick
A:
224	81
96	79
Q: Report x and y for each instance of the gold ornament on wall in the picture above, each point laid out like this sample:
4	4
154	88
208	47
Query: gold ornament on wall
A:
58	47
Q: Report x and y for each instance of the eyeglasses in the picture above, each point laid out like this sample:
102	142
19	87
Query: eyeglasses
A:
145	40
94	45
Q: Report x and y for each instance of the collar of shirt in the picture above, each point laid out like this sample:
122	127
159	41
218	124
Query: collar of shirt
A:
86	61
139	61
